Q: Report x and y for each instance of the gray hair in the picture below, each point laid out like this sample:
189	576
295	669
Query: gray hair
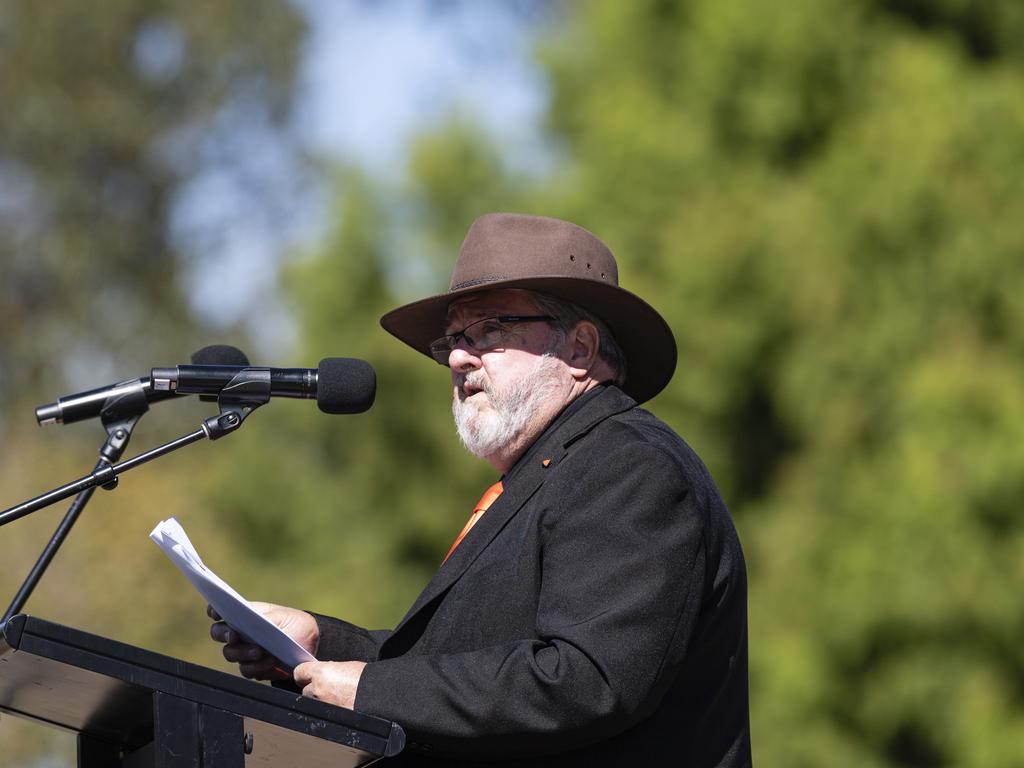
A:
567	315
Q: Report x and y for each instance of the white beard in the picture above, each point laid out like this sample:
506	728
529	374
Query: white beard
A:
488	432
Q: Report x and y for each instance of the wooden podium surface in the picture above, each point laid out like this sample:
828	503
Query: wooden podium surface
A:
132	707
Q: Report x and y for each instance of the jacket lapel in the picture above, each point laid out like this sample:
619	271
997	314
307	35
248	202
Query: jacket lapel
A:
522	483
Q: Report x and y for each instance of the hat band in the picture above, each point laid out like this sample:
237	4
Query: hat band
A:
478	281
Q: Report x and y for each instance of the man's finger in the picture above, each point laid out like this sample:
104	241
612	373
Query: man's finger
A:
225	634
303	673
310	692
222	633
212	613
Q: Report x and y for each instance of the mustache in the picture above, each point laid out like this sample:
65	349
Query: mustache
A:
476	379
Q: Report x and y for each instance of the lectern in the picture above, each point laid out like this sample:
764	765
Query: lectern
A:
133	708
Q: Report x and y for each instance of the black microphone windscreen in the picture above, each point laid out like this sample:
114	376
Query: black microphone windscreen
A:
345	385
220	354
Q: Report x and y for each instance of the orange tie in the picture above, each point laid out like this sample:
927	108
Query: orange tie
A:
486	500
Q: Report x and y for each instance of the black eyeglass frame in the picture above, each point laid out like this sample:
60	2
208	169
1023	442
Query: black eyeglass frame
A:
442	347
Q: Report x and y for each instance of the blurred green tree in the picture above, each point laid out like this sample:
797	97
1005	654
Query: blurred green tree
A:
111	118
823	200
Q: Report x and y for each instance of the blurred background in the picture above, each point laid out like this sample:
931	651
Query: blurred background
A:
823	197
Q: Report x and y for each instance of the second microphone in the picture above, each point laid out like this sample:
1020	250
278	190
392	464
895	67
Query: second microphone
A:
339	384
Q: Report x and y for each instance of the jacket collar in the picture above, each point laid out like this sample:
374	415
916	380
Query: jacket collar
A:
522	482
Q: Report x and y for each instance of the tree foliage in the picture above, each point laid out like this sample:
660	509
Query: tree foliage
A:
109	115
822	198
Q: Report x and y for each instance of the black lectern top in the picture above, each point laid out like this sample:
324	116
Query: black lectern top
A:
92	685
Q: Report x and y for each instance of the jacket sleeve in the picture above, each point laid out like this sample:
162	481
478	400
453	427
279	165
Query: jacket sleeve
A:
342	641
622	548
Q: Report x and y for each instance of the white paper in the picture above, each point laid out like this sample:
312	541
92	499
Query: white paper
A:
232	607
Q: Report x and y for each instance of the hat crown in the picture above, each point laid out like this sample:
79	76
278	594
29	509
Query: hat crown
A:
512	246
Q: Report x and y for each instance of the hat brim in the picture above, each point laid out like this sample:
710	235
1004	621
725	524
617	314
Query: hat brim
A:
643	335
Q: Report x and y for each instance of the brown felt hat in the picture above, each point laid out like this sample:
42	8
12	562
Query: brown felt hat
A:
554	257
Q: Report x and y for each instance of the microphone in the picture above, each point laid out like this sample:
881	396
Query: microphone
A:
340	384
130	397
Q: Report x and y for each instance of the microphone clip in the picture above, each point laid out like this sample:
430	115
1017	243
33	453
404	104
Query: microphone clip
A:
247	391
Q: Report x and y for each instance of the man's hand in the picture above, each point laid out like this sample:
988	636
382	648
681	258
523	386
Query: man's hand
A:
332	681
253	661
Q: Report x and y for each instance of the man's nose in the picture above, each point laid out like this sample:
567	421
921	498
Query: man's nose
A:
462	360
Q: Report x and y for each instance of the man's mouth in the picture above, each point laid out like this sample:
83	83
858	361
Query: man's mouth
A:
467	389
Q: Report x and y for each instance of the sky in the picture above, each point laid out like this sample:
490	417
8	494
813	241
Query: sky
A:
373	74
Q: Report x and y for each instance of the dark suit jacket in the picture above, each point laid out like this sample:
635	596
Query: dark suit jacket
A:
595	615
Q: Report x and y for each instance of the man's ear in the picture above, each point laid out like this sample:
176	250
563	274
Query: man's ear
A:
583	342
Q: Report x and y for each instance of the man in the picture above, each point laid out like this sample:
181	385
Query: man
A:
593	611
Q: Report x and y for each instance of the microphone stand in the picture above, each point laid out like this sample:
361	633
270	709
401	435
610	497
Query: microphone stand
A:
245	393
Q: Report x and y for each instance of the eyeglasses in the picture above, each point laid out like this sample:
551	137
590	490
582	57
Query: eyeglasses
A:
483	336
